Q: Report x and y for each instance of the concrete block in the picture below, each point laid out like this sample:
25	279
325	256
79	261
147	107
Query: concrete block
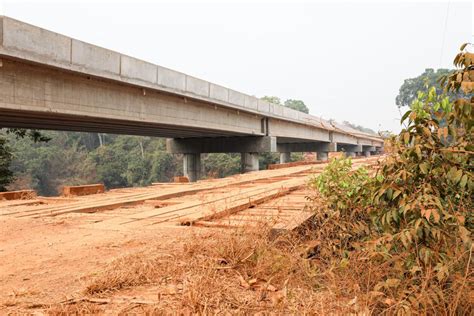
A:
218	92
36	42
290	113
138	69
95	58
236	98
80	190
197	86
263	106
171	79
277	110
307	118
18	195
251	102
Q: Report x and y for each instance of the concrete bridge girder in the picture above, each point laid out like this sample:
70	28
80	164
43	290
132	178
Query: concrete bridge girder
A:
51	81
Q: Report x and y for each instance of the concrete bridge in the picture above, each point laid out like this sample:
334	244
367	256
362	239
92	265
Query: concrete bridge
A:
51	81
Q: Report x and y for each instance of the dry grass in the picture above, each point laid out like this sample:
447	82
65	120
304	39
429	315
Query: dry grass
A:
82	308
246	271
226	271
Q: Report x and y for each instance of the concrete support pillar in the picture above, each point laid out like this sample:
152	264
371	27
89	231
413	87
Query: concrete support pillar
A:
321	156
285	157
249	162
367	153
192	166
351	154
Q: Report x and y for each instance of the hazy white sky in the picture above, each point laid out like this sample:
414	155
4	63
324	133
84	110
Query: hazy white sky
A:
345	60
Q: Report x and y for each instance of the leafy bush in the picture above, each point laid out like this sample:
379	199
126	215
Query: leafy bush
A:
6	176
420	205
341	186
342	219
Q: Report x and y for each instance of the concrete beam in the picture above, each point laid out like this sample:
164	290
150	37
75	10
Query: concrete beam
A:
349	148
344	138
286	129
125	88
249	162
68	101
368	148
238	144
306	147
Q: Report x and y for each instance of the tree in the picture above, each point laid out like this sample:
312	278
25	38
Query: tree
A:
297	105
218	165
409	90
272	99
6	175
6	157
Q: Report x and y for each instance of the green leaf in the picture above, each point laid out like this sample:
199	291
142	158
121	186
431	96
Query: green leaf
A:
395	194
418	151
463	182
424	167
404	117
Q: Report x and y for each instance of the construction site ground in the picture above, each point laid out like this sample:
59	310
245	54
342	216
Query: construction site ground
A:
51	247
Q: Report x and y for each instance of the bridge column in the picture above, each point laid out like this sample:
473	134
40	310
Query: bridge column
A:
368	150
322	155
285	157
192	166
249	162
350	149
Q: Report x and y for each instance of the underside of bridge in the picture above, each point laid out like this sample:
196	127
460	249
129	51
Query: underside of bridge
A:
40	97
61	83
